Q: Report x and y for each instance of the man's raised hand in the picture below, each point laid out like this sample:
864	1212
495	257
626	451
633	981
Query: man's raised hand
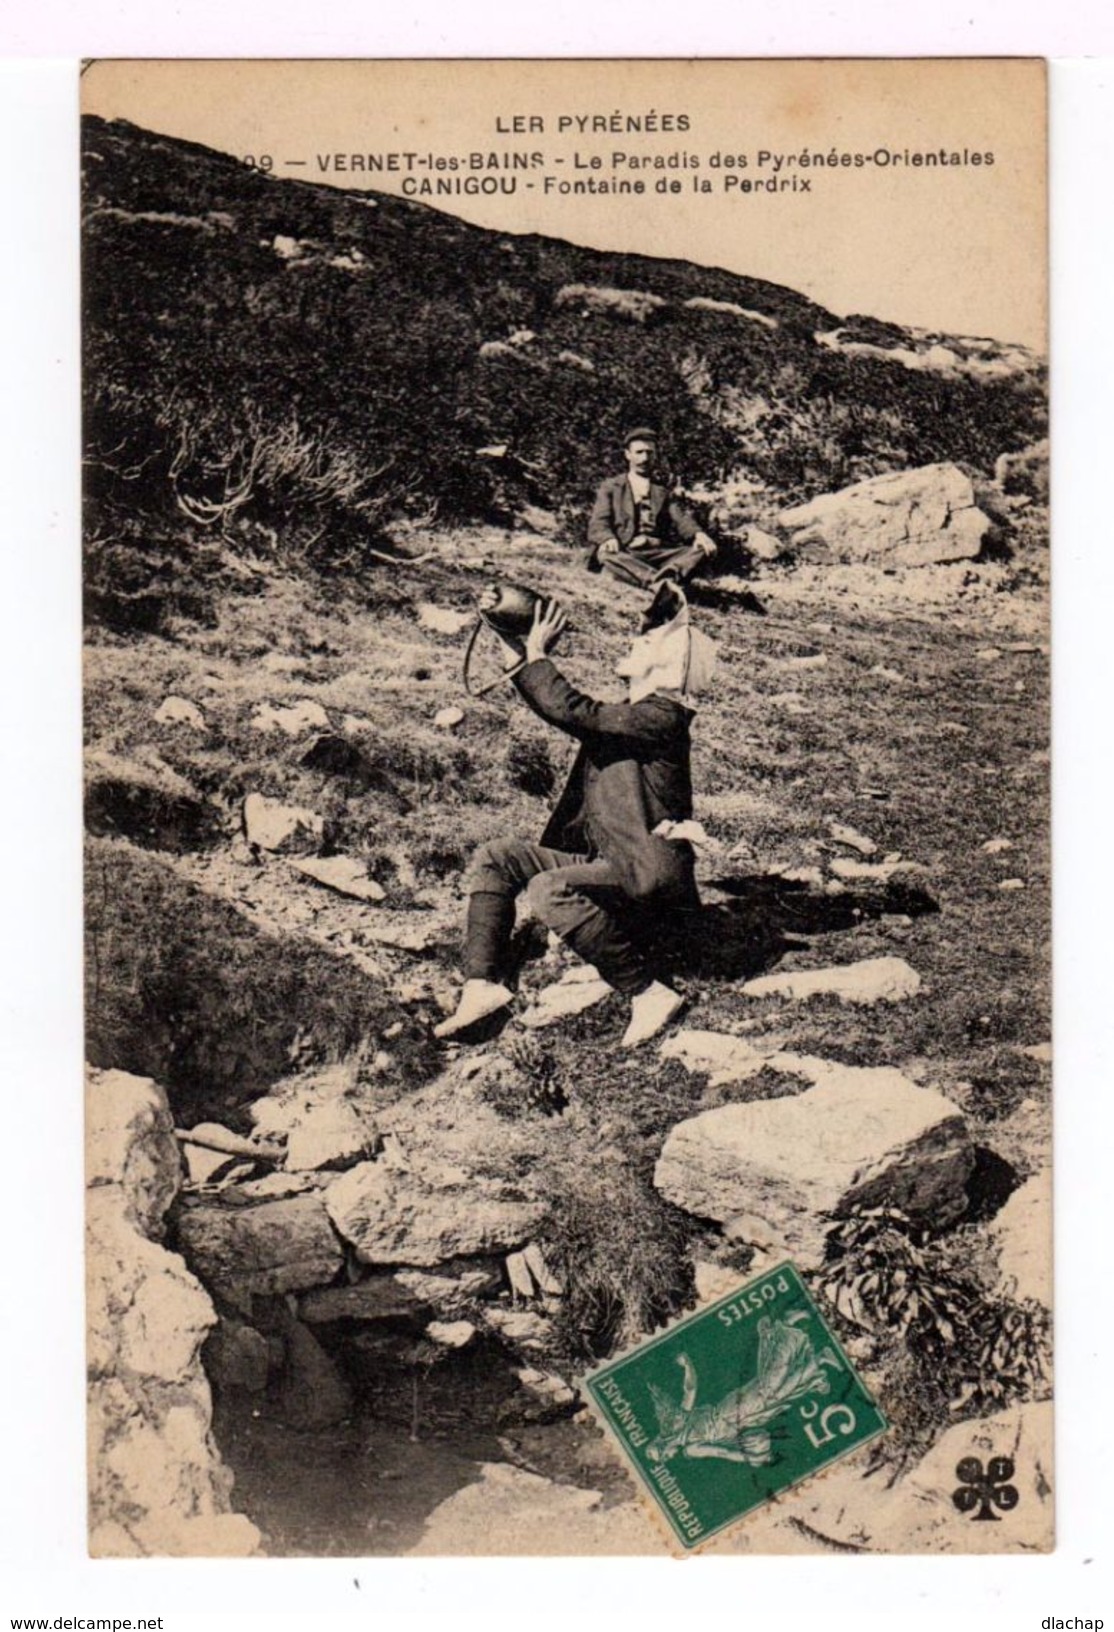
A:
549	623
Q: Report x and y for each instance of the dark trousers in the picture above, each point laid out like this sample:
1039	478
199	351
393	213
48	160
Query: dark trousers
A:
578	899
643	567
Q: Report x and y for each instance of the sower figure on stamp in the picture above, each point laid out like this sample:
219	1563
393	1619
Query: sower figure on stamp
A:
606	847
638	531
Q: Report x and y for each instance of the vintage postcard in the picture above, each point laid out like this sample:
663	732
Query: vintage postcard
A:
567	771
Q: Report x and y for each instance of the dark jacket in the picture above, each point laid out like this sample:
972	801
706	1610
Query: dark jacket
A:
614	516
632	772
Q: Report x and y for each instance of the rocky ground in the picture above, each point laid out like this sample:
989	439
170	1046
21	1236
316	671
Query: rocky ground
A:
413	1250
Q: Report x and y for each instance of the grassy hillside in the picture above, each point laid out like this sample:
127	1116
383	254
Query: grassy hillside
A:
285	384
278	369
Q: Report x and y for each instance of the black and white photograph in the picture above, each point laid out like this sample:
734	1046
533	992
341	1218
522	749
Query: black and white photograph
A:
566	791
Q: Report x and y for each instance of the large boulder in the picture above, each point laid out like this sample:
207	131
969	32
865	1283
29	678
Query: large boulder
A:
130	1146
786	1168
424	1215
1022	1234
910	518
452	1179
265	1247
157	1485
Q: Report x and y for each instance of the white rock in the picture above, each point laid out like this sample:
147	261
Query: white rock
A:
451	1294
894	676
331	1134
814	660
544	1278
447	718
852	838
130	1144
530	1275
1012	884
180	711
422	1218
995	847
546	1386
409	932
157	1485
801	875
523	1326
879	872
713	1281
856	1137
763	546
988	654
1041	1052
873	980
272	825
341	873
201	1162
451	1334
1022	1233
293	721
909	518
572	994
723	1057
519	1276
443	620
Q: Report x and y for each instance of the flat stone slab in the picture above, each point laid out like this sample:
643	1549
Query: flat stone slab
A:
341	873
870	872
572	994
723	1057
380	1298
286	1245
443	620
853	1138
873	980
394	1216
852	838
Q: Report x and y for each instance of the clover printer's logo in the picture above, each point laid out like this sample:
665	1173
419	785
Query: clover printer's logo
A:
985	1489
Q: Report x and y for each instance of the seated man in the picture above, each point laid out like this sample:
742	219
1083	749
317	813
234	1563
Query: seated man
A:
638	532
604	848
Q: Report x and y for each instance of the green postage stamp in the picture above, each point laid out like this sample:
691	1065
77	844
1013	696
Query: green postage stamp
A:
734	1405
